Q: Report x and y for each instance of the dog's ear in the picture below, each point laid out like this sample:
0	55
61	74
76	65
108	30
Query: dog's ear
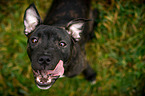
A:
31	19
75	28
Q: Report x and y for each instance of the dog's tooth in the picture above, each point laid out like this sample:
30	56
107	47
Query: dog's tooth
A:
38	79
49	81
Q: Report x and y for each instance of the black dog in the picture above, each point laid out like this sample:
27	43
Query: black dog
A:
56	46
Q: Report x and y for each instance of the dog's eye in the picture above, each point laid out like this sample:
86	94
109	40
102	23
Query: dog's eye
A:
34	40
62	44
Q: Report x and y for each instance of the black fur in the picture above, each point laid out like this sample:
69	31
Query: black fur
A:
51	41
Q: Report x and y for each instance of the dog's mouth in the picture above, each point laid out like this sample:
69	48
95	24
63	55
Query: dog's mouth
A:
44	79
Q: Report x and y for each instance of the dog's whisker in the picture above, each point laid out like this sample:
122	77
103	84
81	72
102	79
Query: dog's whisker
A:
38	72
35	73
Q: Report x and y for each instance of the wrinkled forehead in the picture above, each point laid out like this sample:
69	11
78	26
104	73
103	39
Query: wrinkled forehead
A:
51	31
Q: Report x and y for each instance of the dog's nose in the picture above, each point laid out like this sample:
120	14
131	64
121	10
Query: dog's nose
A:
44	60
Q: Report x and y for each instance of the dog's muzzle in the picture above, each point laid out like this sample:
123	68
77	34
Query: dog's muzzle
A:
44	79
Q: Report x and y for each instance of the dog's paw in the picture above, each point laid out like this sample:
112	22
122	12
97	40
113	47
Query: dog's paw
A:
93	82
92	78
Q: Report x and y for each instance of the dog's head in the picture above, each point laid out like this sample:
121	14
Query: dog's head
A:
49	47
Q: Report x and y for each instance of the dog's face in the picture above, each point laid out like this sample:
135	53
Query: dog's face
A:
49	47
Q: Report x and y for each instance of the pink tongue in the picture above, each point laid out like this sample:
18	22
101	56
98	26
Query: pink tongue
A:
59	70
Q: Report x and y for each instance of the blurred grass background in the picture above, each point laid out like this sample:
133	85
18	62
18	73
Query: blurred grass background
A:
117	52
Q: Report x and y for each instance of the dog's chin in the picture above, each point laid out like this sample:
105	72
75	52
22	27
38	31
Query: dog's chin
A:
46	83
42	87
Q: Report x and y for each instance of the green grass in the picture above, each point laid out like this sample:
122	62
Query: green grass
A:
117	52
